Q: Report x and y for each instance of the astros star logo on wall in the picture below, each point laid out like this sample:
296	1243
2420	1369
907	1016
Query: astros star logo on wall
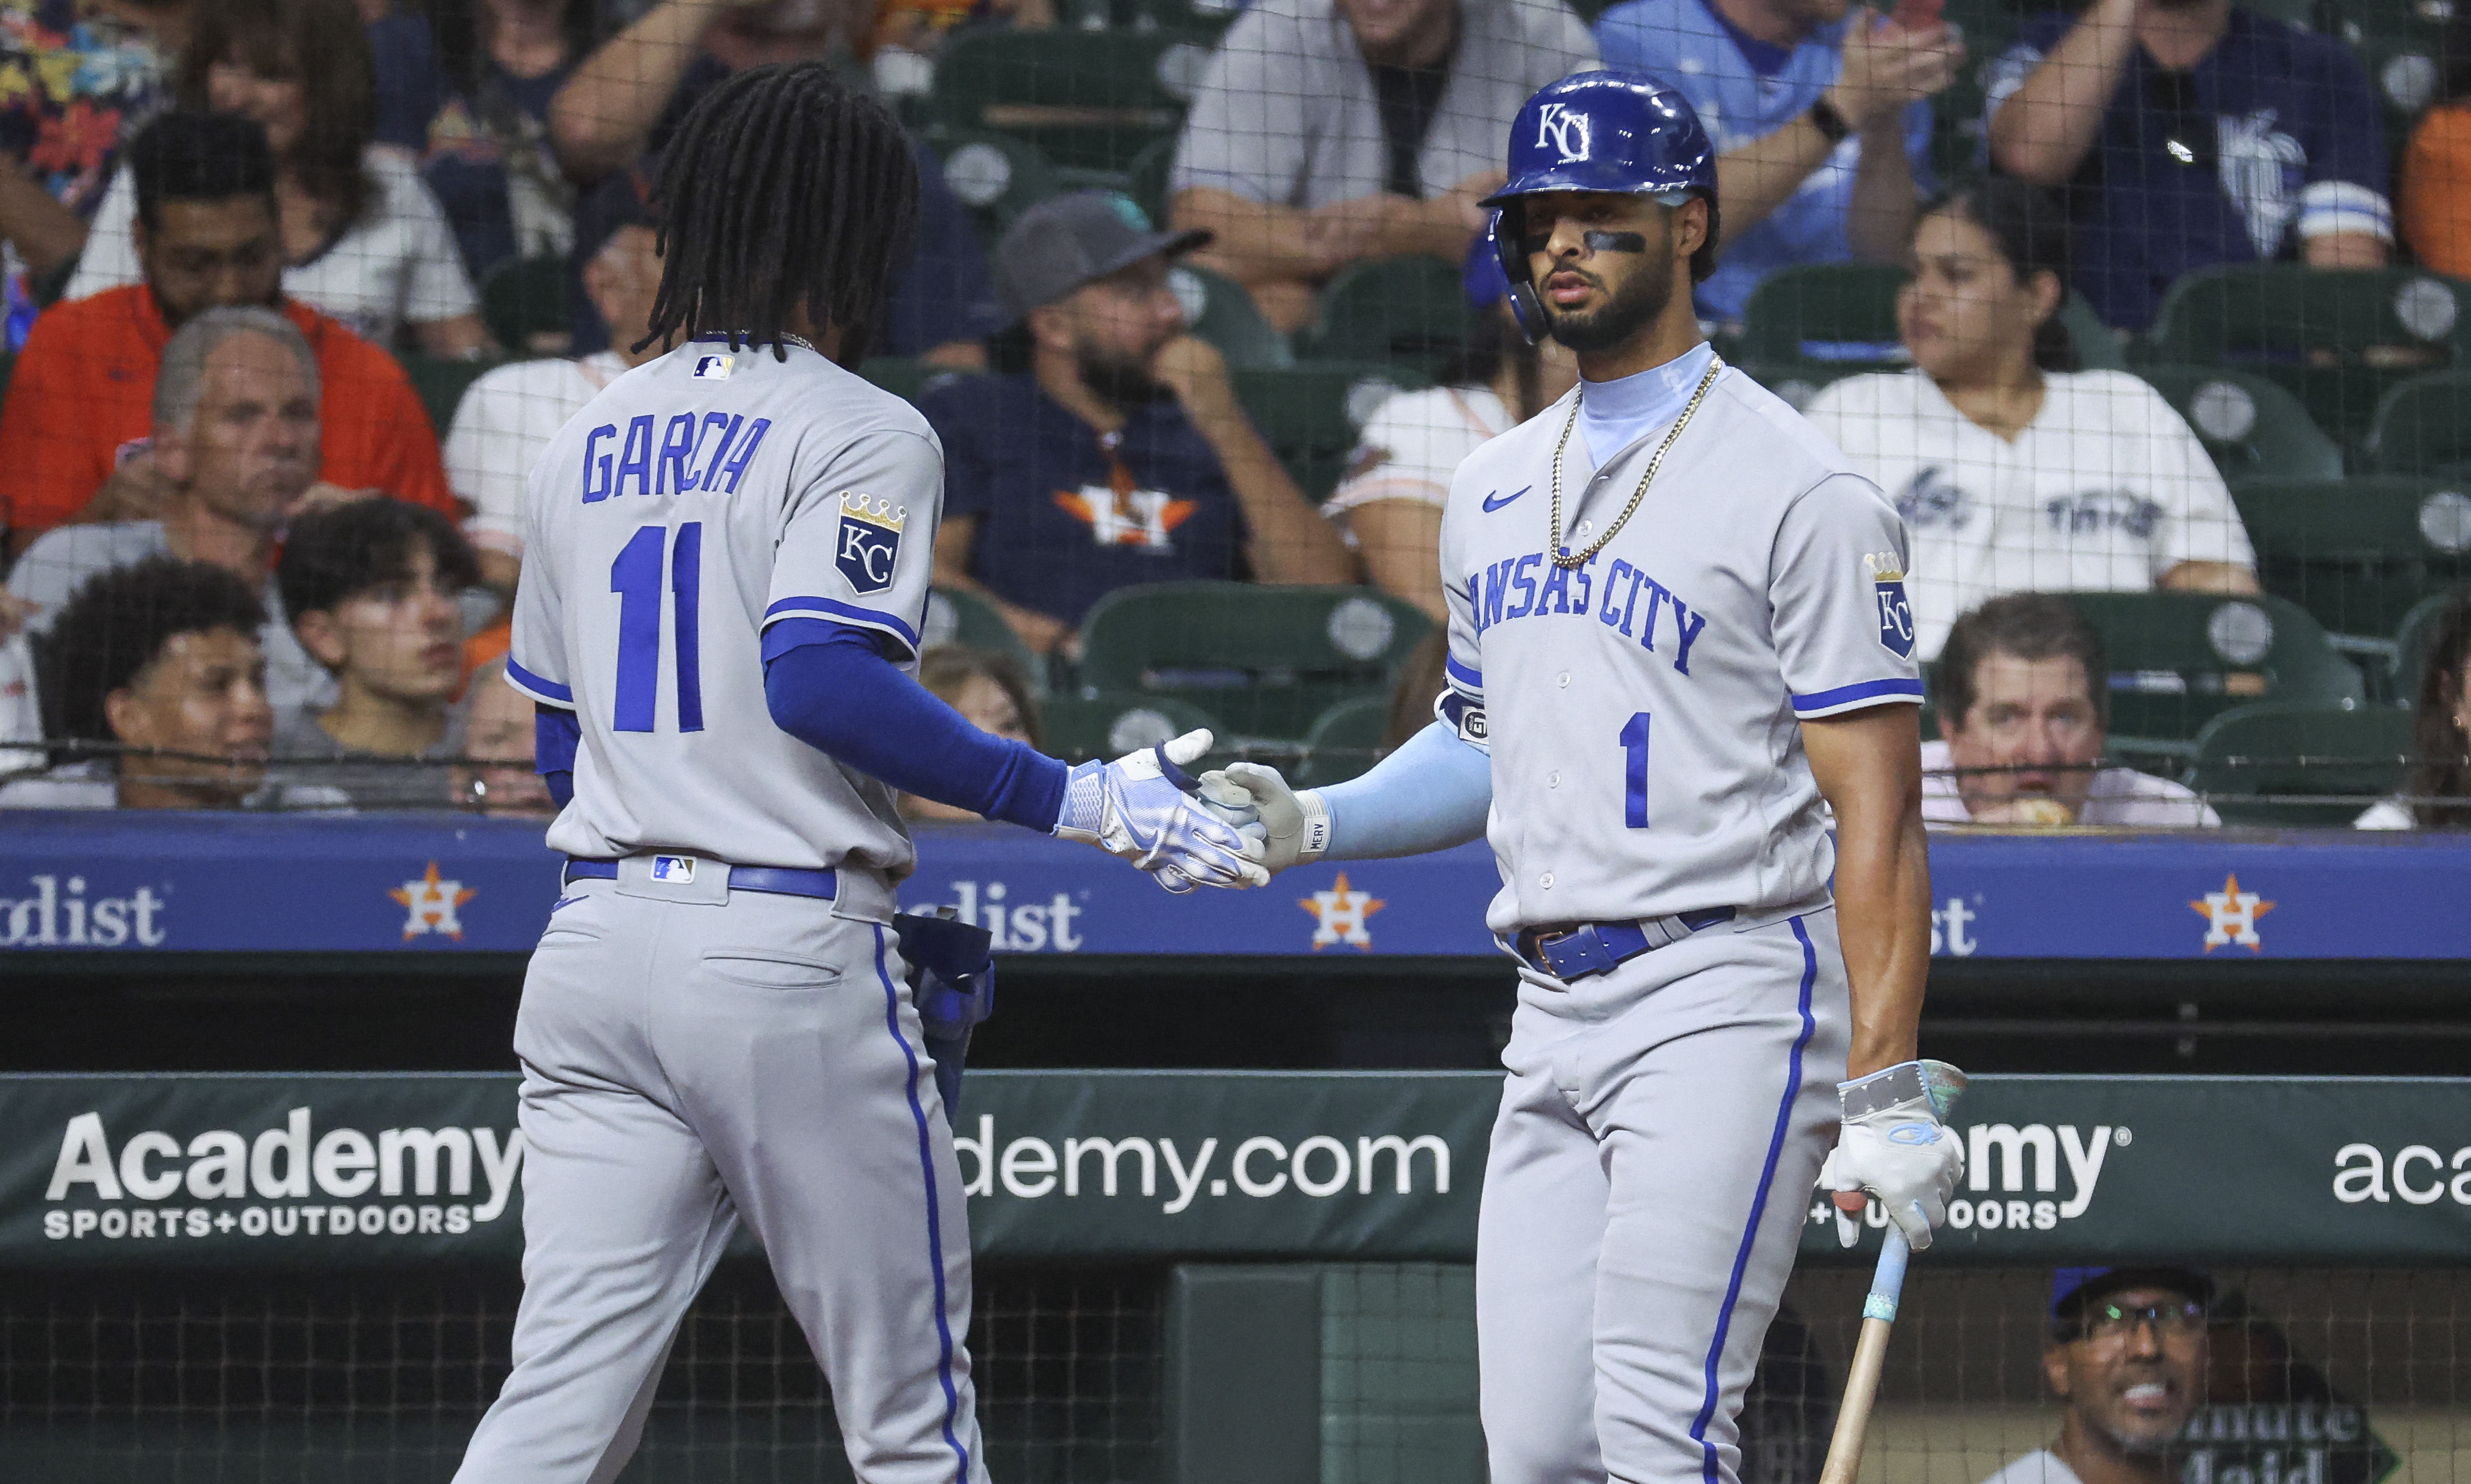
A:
1339	914
430	904
2230	915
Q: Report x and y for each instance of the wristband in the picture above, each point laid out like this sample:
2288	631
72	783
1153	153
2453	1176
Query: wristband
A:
1933	1084
1829	122
1316	819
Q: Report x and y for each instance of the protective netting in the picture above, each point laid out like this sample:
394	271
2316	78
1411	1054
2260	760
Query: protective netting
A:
2309	1376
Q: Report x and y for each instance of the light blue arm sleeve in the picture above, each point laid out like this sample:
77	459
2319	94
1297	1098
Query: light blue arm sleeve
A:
1430	795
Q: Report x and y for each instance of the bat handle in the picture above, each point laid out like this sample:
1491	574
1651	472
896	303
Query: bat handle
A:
1869	1358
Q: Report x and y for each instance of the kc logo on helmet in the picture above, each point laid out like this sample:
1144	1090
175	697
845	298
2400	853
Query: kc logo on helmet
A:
870	542
1570	133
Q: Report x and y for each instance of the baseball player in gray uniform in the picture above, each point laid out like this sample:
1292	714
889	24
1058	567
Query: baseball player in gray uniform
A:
727	564
1678	636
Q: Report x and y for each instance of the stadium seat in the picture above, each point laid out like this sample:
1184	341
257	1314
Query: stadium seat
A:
524	304
2424	426
995	176
1110	723
1086	99
2335	340
1344	742
1409	311
2358	553
958	617
1220	311
2355	755
1799	381
2177	660
2411	644
1267	660
1147	178
2251	426
441	384
2098	346
1838	313
1312	413
907	377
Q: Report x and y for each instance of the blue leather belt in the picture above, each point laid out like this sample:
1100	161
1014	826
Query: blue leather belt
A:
1576	951
779	879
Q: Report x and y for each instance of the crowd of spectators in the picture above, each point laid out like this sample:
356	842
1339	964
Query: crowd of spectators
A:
254	214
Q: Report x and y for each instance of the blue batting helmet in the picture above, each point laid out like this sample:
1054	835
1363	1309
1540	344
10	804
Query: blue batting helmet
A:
1607	130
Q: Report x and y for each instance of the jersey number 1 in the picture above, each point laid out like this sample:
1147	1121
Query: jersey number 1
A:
1633	741
635	576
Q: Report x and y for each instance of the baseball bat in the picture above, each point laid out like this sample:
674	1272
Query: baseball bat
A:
1880	1317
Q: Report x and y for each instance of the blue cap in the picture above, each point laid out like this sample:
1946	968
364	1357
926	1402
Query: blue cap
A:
2072	1287
1607	130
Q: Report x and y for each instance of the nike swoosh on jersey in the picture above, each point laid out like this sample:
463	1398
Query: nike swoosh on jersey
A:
1493	503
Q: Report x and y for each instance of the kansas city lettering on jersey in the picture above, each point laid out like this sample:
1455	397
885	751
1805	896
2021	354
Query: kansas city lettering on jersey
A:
684	455
1526	587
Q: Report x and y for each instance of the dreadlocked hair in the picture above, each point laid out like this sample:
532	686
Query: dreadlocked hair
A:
782	189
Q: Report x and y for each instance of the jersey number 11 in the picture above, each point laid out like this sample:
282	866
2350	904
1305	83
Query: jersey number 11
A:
635	576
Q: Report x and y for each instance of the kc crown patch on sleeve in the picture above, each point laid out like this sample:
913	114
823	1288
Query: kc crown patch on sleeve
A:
869	550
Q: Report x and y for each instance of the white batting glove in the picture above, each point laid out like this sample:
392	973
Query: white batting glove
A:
1892	1145
1294	825
1137	808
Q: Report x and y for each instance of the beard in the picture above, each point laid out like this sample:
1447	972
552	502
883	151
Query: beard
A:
1626	312
1118	378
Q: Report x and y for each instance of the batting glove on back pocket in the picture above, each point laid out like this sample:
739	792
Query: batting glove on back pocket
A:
1142	806
1892	1145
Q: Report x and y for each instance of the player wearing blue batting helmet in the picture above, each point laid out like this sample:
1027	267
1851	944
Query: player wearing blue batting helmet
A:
1617	132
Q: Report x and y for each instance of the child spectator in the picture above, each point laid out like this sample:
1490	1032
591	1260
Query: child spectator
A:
1328	131
79	403
373	589
497	777
2440	778
160	658
236	440
362	239
489	157
990	691
2015	474
1122	456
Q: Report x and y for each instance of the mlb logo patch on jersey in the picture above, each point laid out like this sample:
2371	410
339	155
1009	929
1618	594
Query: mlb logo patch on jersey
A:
870	541
715	367
1896	613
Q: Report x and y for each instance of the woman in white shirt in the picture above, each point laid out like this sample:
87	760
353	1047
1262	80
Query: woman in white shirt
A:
1389	505
2013	472
363	239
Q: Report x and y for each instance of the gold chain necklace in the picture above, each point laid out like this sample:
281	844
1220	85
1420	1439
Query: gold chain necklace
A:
1562	555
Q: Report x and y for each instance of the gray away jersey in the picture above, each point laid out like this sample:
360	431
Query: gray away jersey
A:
697	501
1643	712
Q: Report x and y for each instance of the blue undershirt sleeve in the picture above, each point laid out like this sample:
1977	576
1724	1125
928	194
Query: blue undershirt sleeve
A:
831	688
1430	795
555	734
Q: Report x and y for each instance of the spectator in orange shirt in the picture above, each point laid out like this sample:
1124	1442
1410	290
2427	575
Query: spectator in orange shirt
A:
79	407
2436	204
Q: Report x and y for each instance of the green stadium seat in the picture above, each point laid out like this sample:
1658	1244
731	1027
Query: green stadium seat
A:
2411	644
995	176
2098	346
1220	311
958	617
1086	99
2424	426
2338	340
441	385
1409	311
1839	313
1110	724
2252	426
2358	553
1147	177
1311	414
2177	660
1799	381
907	377
1344	742
524	304
1267	660
2355	755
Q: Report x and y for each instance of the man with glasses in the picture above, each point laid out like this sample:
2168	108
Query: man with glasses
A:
2127	1354
2184	133
1122	457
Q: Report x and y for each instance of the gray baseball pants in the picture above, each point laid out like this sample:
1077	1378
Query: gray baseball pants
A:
694	1057
1659	1137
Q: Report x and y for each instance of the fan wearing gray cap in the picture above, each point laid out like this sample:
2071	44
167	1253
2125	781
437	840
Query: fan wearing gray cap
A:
2127	1353
1122	456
